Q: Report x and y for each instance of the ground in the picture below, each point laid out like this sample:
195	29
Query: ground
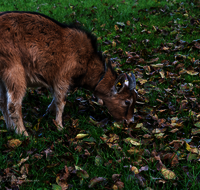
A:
159	41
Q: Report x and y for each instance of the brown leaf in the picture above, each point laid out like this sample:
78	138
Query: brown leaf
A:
153	60
82	174
66	174
172	158
47	152
128	23
144	168
115	177
116	27
191	156
197	45
21	161
159	165
103	25
119	185
174	130
142	180
195	131
95	180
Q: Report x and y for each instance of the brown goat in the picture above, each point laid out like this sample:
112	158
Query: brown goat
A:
36	50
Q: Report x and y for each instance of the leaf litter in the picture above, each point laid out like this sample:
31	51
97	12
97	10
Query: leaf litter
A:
165	134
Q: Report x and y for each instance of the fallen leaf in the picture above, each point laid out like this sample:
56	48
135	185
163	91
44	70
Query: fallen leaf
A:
81	136
195	131
192	72
162	73
14	143
119	185
82	174
168	174
197	124
135	170
132	141
95	180
191	157
21	161
56	187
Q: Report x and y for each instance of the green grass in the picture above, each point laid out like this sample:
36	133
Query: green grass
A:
144	27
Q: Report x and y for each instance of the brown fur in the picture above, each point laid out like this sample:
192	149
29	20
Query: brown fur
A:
36	50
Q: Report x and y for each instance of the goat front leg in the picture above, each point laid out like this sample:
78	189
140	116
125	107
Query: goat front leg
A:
15	90
58	104
3	104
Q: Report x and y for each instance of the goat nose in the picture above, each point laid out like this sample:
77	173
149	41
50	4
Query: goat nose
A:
129	120
132	120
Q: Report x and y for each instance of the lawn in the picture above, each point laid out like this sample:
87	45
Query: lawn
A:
157	40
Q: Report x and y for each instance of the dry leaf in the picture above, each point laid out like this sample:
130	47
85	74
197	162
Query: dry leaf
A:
168	174
14	143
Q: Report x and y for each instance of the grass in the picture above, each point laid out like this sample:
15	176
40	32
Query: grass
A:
143	27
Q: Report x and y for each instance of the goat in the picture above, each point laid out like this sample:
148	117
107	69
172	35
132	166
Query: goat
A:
36	50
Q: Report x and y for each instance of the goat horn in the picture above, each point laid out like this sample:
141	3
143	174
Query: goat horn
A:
132	82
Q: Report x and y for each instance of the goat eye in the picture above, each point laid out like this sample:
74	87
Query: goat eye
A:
127	102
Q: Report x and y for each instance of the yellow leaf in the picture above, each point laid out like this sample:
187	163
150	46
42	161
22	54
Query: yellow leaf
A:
132	141
156	131
195	151
116	27
192	72
142	81
139	125
168	174
81	136
135	170
142	91
159	136
105	52
14	143
165	48
187	146
162	73
113	44
159	65
118	125
174	119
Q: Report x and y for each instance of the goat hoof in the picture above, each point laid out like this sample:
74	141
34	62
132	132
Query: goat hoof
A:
26	134
60	128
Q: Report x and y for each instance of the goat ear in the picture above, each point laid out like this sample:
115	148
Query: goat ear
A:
120	83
